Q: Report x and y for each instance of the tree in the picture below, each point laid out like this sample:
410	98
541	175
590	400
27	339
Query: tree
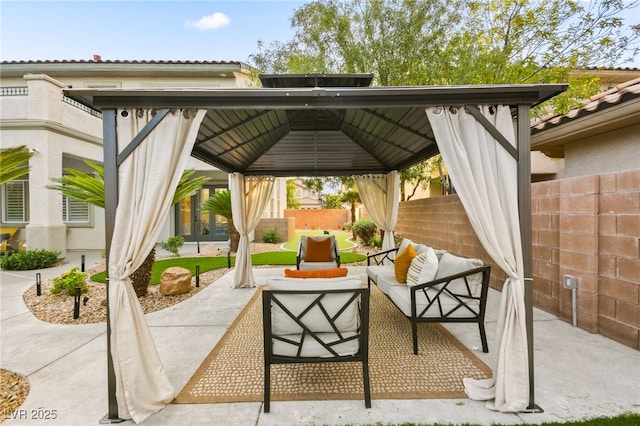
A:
347	189
292	201
89	188
351	196
522	41
220	203
14	163
331	201
444	42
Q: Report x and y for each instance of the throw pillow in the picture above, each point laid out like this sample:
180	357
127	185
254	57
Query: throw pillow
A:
450	265
318	250
403	261
423	268
316	273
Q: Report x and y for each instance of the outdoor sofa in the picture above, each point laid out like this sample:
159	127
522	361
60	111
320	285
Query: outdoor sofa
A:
432	286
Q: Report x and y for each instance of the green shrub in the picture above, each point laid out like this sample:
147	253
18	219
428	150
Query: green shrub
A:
346	226
68	281
397	239
376	242
29	259
271	236
365	230
173	244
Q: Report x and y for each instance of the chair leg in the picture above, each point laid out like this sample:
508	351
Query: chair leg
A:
267	387
365	381
483	338
414	334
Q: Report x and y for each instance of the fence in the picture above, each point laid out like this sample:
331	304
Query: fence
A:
587	227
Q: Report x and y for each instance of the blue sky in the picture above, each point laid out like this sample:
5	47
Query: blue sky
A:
148	30
141	30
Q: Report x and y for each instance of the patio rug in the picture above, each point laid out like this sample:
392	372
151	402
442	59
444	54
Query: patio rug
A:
233	371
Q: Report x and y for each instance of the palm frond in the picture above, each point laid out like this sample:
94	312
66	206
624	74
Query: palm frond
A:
14	163
220	203
89	187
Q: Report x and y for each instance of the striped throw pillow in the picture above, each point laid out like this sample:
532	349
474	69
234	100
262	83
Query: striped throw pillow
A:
423	268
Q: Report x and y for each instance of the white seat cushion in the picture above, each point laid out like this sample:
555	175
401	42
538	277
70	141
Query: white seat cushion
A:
401	297
307	266
386	278
315	319
311	347
374	270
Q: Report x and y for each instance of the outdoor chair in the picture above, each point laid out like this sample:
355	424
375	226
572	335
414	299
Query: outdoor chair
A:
7	243
329	323
319	252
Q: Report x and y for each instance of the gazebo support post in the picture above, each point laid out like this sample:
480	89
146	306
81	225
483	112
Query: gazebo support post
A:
524	207
110	147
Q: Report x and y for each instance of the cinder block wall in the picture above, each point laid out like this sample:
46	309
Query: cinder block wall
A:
319	218
588	227
441	222
285	227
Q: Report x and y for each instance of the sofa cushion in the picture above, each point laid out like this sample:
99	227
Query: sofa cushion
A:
374	270
316	273
401	297
318	250
308	266
423	268
311	347
315	319
403	261
387	279
450	264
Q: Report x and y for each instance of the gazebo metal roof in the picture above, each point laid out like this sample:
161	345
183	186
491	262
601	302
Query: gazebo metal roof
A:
316	127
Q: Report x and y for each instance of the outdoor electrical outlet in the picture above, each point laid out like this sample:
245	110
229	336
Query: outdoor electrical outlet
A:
570	282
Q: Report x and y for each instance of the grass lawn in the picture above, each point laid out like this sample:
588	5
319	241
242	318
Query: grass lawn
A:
341	239
283	258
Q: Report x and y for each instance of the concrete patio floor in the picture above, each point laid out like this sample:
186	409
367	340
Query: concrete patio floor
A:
578	375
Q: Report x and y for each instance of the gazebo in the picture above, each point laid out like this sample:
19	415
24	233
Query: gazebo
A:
314	125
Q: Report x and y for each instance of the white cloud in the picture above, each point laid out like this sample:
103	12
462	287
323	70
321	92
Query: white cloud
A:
210	22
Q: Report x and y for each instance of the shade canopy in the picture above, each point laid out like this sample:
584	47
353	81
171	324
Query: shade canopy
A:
337	131
317	126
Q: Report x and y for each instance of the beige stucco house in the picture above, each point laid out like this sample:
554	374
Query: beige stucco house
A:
63	133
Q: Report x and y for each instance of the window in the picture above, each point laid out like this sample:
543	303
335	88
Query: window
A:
15	201
74	211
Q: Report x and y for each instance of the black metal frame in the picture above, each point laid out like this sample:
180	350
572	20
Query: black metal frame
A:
271	298
335	250
442	286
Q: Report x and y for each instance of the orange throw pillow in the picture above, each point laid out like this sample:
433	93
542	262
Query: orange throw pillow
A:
316	273
318	250
403	262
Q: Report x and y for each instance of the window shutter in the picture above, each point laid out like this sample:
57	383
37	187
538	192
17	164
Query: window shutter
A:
15	201
74	211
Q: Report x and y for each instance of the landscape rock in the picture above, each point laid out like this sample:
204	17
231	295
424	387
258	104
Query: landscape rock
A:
174	281
210	250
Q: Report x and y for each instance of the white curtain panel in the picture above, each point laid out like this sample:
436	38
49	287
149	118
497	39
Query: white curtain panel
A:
485	177
381	194
147	180
249	198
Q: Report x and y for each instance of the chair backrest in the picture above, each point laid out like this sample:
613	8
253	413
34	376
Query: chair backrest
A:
311	319
307	253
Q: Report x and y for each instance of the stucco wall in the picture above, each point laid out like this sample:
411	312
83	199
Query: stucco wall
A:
591	156
588	227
